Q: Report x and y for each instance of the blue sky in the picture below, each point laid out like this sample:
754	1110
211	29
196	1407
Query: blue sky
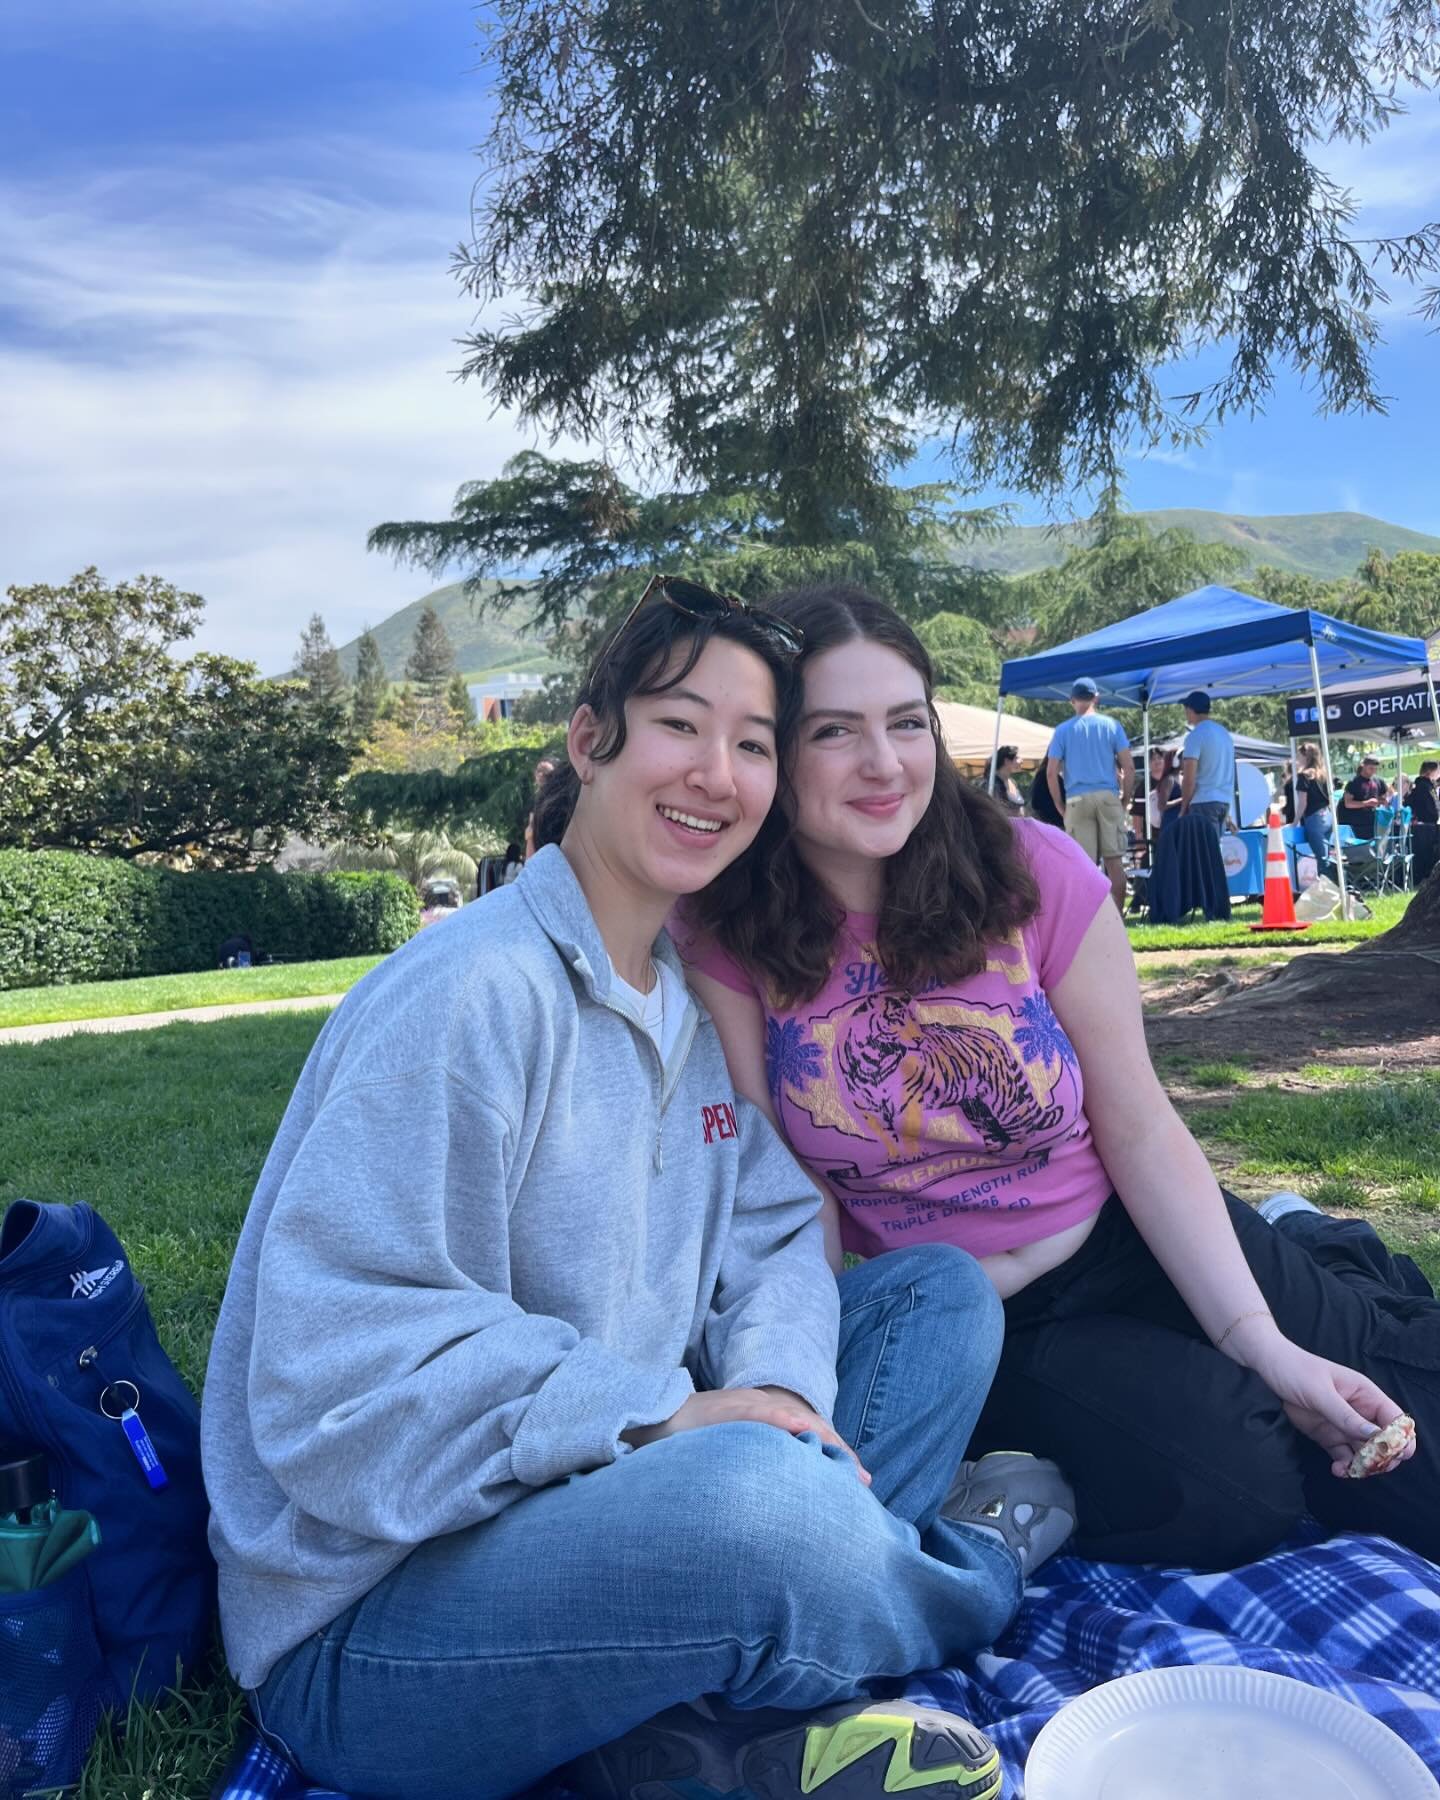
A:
227	321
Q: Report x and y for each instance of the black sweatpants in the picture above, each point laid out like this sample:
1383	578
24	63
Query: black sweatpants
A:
1178	1454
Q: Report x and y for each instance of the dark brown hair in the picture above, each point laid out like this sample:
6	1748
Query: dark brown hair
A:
959	883
631	662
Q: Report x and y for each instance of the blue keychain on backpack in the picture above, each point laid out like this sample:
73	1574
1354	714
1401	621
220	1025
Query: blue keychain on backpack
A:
136	1435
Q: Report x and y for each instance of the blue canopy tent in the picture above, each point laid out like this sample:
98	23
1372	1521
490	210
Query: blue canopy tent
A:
1220	641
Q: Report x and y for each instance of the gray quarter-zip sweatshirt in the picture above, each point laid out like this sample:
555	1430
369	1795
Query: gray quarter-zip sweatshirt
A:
492	1234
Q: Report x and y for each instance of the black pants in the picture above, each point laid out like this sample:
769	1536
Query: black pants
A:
1426	850
1178	1454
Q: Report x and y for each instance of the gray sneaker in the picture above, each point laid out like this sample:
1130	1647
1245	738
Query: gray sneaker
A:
859	1750
1024	1499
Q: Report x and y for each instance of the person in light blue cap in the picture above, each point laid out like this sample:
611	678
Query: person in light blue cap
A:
1090	754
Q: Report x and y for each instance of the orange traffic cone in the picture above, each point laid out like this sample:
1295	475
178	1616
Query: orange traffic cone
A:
1279	910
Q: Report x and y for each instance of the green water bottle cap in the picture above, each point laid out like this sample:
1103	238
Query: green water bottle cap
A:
24	1479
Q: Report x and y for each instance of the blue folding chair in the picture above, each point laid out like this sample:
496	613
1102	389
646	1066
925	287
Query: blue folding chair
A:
1393	848
1362	861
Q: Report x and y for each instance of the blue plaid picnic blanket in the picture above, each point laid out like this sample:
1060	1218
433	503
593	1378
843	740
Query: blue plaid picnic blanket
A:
1356	1615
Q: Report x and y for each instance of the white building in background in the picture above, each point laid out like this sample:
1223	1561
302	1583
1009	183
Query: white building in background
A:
496	699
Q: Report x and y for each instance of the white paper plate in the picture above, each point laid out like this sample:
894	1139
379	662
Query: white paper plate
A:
1219	1733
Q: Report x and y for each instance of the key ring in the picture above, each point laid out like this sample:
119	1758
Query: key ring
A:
129	1406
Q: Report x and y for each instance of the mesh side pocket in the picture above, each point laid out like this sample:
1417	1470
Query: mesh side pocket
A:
53	1686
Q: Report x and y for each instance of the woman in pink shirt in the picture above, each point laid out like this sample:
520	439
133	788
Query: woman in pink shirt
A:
941	1014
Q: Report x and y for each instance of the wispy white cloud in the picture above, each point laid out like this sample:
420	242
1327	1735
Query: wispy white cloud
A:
230	385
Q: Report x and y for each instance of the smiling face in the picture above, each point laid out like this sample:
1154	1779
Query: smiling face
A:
863	767
693	782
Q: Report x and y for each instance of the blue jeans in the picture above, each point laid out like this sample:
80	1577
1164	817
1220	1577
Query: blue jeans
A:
1315	827
732	1560
1214	812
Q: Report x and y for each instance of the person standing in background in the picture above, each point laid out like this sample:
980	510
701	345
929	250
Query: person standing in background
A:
1207	777
1424	809
1425	822
1042	801
1091	755
1363	794
1312	803
999	778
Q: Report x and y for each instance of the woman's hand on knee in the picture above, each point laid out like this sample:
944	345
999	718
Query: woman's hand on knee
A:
761	1406
1338	1407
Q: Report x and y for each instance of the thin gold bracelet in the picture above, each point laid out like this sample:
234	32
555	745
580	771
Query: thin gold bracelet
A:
1261	1312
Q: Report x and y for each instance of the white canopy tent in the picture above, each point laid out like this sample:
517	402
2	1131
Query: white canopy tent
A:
969	729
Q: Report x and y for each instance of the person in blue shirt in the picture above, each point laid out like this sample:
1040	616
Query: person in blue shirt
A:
1090	755
1207	778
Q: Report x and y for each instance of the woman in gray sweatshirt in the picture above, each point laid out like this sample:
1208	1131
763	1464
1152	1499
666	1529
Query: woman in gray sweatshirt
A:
522	1422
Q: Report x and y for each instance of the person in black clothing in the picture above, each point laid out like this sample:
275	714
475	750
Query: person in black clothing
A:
1423	807
1042	803
1312	803
1424	822
1361	797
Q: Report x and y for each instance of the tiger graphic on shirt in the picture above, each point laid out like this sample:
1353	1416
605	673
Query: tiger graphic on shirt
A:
892	1062
927	1087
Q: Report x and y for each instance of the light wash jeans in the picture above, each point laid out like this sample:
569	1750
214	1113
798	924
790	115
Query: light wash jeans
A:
732	1560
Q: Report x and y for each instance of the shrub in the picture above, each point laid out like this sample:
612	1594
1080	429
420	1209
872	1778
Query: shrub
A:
66	917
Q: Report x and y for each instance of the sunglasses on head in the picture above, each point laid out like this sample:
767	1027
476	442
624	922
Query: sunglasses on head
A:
696	602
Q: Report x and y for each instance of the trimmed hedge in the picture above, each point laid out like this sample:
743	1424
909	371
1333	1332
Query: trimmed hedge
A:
66	917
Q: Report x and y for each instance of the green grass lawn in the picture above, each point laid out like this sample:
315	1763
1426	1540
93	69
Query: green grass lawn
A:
292	981
166	993
1387	908
1363	1139
165	1132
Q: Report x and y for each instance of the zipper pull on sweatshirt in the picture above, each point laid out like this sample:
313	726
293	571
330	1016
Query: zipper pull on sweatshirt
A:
657	1161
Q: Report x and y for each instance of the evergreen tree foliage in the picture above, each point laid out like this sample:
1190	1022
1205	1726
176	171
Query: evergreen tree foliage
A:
317	664
432	662
965	656
431	667
777	247
494	787
1127	569
371	685
461	702
596	541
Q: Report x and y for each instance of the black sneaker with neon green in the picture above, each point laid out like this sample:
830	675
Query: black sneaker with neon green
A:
853	1751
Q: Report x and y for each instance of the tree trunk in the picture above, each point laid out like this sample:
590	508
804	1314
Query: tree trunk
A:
1381	996
1392	980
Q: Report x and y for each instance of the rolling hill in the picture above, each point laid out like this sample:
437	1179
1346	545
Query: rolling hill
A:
479	643
1326	545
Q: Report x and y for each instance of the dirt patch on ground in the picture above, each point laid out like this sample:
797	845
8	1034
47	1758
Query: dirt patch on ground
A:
1383	1010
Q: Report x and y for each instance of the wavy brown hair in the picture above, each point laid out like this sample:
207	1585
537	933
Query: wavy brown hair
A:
959	884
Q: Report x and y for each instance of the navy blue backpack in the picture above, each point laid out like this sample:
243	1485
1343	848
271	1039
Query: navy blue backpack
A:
83	1379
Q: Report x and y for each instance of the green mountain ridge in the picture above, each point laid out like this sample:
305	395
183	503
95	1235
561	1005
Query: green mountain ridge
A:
479	643
1326	545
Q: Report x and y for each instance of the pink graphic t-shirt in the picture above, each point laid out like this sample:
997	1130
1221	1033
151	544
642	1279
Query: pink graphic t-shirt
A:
955	1114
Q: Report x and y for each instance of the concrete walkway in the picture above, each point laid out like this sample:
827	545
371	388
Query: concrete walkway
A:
34	1034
